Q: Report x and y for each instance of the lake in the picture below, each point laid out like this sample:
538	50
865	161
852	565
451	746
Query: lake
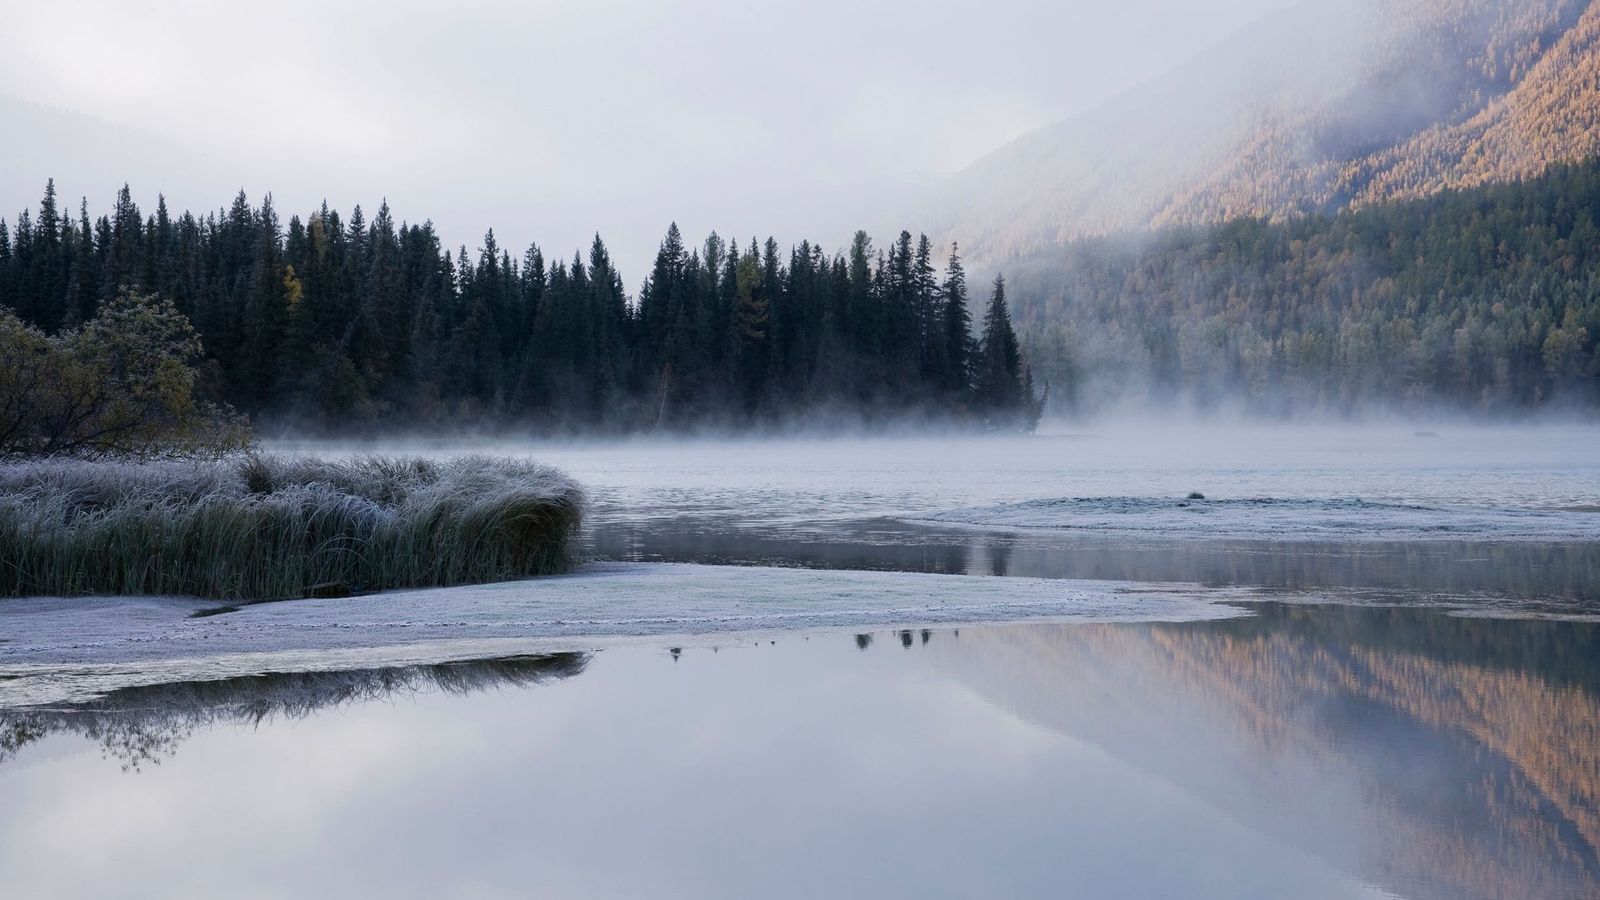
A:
1364	663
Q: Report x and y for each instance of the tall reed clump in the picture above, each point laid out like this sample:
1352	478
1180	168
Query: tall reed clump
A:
268	527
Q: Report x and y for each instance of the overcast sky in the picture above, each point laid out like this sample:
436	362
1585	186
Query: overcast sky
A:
551	120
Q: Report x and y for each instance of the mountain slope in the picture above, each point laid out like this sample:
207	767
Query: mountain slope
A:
1317	108
1550	116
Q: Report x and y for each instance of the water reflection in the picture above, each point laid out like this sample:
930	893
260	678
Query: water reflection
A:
1308	751
1564	575
141	726
1467	749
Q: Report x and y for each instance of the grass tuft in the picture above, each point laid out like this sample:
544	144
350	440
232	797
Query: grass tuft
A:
269	527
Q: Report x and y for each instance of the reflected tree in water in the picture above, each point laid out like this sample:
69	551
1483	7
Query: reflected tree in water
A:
908	638
1541	576
142	726
999	558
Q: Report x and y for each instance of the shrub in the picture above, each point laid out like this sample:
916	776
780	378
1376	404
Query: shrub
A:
122	384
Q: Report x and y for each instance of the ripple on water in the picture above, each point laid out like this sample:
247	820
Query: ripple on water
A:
1276	518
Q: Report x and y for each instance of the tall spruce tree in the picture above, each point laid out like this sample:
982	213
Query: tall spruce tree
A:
955	326
1000	387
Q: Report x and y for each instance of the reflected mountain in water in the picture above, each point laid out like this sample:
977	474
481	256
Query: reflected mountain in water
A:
1438	756
144	725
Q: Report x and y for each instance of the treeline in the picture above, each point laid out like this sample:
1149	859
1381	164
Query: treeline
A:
333	324
1485	299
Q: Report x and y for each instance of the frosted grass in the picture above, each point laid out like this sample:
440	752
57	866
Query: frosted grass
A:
266	527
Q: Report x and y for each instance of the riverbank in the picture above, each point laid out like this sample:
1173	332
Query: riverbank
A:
107	643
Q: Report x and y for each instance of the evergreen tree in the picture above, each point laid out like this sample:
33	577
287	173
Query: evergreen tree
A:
8	294
751	356
48	277
1003	389
925	301
955	326
266	314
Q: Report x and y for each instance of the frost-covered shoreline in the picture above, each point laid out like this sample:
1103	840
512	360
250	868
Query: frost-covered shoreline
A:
60	648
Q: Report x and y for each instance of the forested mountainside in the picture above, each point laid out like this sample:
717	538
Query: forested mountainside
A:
1485	299
351	325
1325	106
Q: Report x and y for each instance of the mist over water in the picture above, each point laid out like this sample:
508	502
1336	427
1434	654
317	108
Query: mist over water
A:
1478	510
829	475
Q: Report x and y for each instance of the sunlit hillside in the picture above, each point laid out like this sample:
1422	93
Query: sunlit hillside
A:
1320	107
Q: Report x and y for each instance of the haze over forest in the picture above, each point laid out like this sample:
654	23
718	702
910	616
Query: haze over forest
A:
1287	207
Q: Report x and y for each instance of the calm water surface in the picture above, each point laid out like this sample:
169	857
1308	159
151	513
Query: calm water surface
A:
1307	751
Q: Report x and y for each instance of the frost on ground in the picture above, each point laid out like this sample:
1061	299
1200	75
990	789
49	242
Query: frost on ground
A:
56	650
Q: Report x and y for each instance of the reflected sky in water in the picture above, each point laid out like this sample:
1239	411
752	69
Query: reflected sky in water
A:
1307	751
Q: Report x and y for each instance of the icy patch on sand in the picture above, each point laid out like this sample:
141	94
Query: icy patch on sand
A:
57	649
